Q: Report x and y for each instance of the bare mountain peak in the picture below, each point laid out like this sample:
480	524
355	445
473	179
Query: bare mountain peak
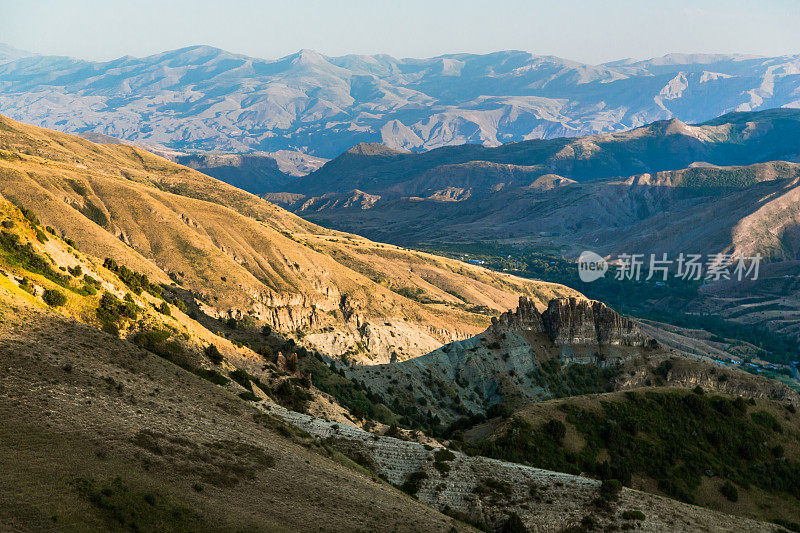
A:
308	56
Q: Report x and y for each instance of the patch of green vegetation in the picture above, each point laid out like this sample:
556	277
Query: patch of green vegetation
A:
210	375
493	487
441	460
242	378
54	297
112	312
127	508
41	236
413	482
249	396
633	514
157	341
673	437
136	281
716	178
24	256
290	394
730	491
573	380
212	352
362	402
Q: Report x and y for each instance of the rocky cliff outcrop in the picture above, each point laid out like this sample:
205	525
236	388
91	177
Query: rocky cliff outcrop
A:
526	318
573	321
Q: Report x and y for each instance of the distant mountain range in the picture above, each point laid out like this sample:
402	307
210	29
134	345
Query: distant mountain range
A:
727	184
203	98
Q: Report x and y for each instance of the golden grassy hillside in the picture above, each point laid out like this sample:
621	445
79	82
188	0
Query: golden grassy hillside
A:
242	256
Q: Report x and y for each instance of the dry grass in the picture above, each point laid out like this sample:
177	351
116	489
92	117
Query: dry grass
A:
243	253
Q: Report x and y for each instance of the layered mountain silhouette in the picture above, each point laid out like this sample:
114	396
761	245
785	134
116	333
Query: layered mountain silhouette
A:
204	98
727	185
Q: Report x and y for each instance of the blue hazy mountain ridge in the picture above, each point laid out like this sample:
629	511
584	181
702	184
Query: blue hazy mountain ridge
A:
207	99
740	138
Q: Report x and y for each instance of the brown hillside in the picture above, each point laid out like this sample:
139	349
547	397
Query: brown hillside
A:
240	255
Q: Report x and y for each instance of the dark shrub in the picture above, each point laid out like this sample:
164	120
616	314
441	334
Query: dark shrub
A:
413	482
213	354
443	455
242	378
54	297
633	515
249	396
498	409
610	489
514	524
555	429
729	490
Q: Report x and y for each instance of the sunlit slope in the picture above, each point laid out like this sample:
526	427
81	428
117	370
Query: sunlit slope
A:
341	293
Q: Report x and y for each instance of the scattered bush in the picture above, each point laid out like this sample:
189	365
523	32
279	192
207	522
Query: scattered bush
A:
126	508
291	396
488	486
633	514
213	354
498	409
413	482
610	489
112	311
156	341
54	298
213	376
134	280
249	396
242	378
164	309
25	256
766	420
29	215
729	490
443	455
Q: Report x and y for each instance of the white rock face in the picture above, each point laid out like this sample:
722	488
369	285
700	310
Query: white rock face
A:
203	98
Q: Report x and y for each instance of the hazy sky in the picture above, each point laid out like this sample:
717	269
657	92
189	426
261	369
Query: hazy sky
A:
591	31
